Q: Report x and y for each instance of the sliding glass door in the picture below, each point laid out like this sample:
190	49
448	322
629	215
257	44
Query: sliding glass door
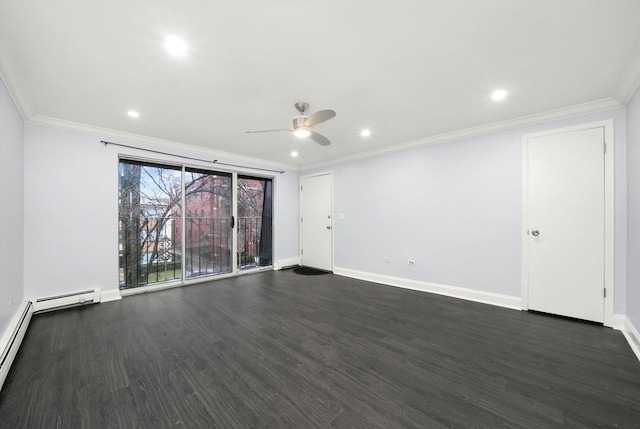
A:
178	223
254	222
208	223
149	200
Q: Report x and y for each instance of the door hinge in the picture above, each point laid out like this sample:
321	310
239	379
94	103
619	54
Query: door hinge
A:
300	188
301	219
605	146
301	252
605	292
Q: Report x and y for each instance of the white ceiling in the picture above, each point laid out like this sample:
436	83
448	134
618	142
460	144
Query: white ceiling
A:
408	70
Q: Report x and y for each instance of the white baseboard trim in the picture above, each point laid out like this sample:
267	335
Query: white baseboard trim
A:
12	338
632	335
618	322
285	263
110	295
507	301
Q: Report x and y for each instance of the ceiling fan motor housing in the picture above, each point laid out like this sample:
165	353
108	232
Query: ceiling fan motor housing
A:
298	121
301	106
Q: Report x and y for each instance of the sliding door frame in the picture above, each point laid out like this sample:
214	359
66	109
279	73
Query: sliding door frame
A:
183	281
273	187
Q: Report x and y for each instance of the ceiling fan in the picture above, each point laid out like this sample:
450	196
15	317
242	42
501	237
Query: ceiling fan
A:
302	124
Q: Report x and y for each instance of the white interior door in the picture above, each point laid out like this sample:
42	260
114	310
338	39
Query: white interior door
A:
316	223
566	224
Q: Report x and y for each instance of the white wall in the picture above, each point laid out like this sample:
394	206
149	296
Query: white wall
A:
286	214
455	208
71	210
11	209
633	166
443	206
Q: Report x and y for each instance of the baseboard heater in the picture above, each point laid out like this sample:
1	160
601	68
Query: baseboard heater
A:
65	301
13	339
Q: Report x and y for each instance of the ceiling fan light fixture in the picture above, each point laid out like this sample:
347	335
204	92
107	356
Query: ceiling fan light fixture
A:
302	124
302	132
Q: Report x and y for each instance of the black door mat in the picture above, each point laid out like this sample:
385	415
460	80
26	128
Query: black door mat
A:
308	271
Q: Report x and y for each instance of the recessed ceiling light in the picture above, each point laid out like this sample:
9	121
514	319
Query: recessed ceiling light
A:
499	94
294	153
365	133
175	46
133	114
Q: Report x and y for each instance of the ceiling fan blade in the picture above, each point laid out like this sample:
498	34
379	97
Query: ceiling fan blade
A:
319	138
264	131
318	117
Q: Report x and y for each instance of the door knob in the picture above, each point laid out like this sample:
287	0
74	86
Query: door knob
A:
535	233
328	227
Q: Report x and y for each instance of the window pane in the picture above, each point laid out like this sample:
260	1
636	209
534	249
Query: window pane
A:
254	222
208	213
149	196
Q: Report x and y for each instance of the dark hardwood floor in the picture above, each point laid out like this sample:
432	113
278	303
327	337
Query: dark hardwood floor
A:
278	349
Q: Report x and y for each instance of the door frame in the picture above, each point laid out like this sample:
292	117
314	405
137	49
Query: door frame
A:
235	188
333	241
609	192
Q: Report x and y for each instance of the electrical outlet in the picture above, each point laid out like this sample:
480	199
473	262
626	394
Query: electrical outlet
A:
412	262
387	260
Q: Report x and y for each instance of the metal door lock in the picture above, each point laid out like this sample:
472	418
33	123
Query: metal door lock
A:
535	233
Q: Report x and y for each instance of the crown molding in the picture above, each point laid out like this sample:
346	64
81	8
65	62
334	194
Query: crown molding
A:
630	79
552	115
156	142
567	112
11	75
